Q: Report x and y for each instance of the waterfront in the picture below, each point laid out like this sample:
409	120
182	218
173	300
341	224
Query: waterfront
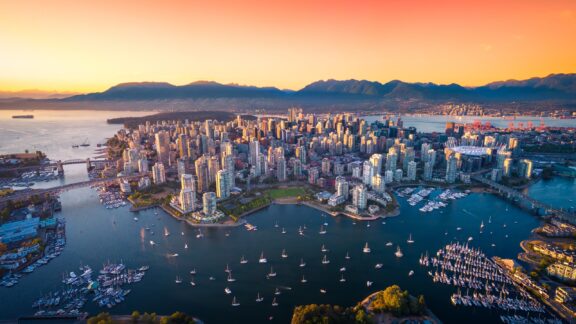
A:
558	191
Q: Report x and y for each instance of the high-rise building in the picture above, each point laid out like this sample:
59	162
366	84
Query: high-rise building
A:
313	175
525	168
181	167
209	203
507	167
407	157
391	160
223	184
326	166
428	170
367	172
187	200
281	169
359	197
163	147
342	187
378	183
143	165
201	168
187	182
229	165
451	167
376	160
213	167
183	146
158	173
254	157
398	174
411	173
297	167
301	154
389	176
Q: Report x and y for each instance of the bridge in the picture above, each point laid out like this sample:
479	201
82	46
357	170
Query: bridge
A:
522	198
57	164
26	194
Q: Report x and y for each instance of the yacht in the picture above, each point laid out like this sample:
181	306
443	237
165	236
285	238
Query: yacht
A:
368	224
272	273
398	252
182	233
378	266
227	291
135	219
262	258
185	245
284	254
342	269
230	279
274	303
192	283
410	240
324	249
458	228
243	260
235	302
211	278
166	233
325	260
342	279
389	244
173	255
322	230
283	230
178	280
303	279
410	273
259	299
366	249
302	263
322	291
300	231
347	257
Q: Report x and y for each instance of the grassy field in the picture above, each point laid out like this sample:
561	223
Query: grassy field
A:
286	192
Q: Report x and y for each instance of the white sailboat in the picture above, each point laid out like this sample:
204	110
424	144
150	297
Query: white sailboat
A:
347	257
283	230
369	283
262	258
227	269
410	240
342	279
303	279
178	280
192	283
284	254
481	225
272	273
199	235
490	220
366	248
276	224
193	271
243	260
410	273
152	243
230	278
389	244
398	252
274	302
259	299
227	291
378	266
185	245
325	260
277	292
302	263
166	233
324	249
235	302
322	230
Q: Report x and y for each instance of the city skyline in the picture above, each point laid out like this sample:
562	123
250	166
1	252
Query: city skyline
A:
75	47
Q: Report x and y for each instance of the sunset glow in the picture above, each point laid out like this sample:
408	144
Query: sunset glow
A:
92	45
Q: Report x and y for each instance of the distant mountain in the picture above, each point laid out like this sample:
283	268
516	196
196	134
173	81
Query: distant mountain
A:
34	94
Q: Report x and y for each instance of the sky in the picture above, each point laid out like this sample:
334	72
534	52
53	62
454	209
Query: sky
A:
87	46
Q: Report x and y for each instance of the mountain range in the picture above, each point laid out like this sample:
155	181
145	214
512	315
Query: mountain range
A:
553	87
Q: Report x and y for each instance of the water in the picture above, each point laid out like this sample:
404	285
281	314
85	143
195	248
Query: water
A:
558	191
96	235
428	124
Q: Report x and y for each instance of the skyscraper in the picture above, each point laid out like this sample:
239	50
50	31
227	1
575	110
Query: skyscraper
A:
163	147
201	168
281	169
209	203
391	159
254	156
223	184
158	173
451	169
367	172
378	183
342	187
411	173
376	160
359	198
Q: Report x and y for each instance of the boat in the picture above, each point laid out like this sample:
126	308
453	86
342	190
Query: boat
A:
410	240
322	291
192	283
182	233
458	228
277	292
276	224
490	220
227	291
324	249
178	280
369	283
193	271
235	302
272	273
283	230
274	303
199	235
347	257
410	273
398	252
342	279
173	255
243	260
300	231
230	278
368	224
185	245
342	269
322	230
166	233
211	278
389	244
284	254
152	243
135	219
378	266
481	225
302	263
303	279
366	249
227	270
325	260
470	238
262	258
259	299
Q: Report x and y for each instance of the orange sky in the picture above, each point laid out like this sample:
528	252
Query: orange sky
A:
81	45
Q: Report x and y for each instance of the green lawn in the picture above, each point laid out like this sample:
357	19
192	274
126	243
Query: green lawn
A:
286	192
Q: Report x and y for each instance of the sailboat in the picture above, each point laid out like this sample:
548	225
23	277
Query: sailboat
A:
193	271
324	249
481	225
302	263
322	230
347	257
199	235
166	233
274	303
410	240
227	291
398	252
178	280
262	258
276	224
235	302
182	233
192	283
277	292
342	279
243	260
366	249
410	273
227	269
185	245
230	279
283	230
368	224
490	220
303	279
284	254
259	299
325	260
369	283
272	273
152	243
342	269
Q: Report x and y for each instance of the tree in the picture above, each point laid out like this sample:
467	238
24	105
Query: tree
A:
135	316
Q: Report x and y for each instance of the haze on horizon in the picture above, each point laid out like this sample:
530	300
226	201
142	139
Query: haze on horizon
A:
76	46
